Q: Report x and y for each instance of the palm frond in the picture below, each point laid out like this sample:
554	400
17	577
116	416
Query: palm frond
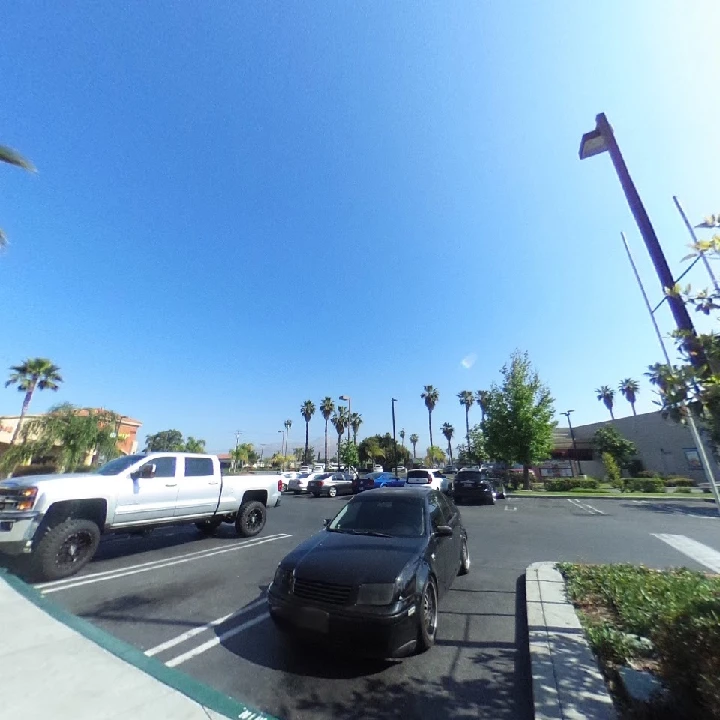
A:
13	157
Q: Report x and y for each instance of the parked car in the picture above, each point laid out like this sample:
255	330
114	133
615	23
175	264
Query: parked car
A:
473	485
372	579
54	522
372	480
377	468
400	470
300	483
286	477
498	486
331	484
428	476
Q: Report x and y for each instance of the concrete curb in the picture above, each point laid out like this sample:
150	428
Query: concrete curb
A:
202	694
567	682
579	496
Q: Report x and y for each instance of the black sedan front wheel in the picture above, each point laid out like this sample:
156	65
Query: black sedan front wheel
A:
464	559
428	617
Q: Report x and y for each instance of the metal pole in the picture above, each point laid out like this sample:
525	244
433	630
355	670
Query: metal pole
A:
394	440
691	230
677	306
707	468
572	436
349	419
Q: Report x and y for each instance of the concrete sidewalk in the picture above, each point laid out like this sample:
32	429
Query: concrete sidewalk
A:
567	682
60	666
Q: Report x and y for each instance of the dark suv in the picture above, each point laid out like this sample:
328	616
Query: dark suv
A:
473	485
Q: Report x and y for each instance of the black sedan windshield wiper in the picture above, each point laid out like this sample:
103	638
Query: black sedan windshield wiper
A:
372	533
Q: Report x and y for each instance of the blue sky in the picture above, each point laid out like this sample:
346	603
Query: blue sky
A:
241	206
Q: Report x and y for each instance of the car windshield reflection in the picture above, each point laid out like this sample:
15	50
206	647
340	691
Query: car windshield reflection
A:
384	517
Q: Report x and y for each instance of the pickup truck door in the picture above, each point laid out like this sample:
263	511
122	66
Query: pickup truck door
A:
142	500
198	487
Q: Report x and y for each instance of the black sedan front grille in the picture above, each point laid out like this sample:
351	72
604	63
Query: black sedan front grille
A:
322	591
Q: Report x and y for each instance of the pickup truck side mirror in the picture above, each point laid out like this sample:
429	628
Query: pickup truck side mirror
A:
147	471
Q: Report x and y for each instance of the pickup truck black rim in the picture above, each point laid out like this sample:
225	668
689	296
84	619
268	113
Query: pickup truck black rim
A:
254	520
74	549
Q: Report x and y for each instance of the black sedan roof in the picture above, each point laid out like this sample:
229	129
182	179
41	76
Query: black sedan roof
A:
418	492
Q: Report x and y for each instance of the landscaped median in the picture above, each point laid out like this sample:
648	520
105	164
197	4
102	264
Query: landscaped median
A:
663	624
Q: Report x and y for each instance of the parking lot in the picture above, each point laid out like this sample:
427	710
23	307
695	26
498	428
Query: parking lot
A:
197	604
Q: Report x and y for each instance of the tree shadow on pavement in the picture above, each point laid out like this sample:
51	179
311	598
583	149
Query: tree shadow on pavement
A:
705	509
486	678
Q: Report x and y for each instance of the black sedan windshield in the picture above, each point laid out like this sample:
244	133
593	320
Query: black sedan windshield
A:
381	515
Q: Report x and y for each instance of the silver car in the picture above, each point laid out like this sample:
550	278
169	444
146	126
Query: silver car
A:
331	484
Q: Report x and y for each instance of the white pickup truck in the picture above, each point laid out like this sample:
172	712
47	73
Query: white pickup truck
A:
56	520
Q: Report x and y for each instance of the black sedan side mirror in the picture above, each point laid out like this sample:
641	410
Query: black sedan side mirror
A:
443	531
327	521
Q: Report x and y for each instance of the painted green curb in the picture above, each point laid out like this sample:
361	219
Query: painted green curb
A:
197	691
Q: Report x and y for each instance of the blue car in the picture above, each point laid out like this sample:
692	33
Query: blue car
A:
377	480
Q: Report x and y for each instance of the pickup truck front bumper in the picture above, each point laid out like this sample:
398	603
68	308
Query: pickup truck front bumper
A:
17	530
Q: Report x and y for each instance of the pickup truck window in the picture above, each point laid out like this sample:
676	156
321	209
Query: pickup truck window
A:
164	466
119	465
197	467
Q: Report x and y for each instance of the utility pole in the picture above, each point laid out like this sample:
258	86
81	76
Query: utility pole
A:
394	440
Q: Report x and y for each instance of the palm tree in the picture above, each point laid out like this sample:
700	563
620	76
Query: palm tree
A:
402	436
327	408
288	425
607	395
355	423
431	397
630	388
11	157
340	422
33	374
448	431
307	410
481	397
467	399
414	441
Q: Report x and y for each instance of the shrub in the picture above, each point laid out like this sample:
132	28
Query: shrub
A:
688	644
588	490
686	490
24	470
646	485
537	486
674	481
566	484
645	474
612	469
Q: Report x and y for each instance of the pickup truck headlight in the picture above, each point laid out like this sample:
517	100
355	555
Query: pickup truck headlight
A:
26	498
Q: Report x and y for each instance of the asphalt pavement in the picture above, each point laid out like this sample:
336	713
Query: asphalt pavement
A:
196	604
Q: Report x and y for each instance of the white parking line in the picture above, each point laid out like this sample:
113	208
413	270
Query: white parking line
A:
216	641
48	588
586	507
196	631
696	551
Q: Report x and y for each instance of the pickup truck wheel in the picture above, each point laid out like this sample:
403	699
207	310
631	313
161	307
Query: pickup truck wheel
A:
251	519
64	549
208	527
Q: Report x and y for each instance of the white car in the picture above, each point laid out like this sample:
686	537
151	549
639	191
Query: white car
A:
378	468
401	470
286	477
427	476
300	483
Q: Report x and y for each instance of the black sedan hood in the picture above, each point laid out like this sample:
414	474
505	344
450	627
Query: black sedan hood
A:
346	559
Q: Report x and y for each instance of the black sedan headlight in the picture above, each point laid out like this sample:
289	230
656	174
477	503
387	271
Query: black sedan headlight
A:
282	582
402	589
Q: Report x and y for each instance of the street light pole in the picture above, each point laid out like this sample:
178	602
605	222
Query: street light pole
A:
600	140
572	436
394	440
282	450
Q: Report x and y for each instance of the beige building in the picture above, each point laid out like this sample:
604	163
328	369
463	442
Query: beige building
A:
664	446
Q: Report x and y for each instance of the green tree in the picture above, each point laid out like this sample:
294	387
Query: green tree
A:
519	416
611	468
607	395
349	454
431	396
630	389
414	439
31	375
307	410
481	397
193	445
12	157
355	423
434	456
165	441
467	399
327	408
608	440
402	437
448	431
340	422
377	448
75	435
477	453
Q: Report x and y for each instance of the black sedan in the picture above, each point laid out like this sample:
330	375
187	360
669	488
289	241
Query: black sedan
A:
473	485
371	580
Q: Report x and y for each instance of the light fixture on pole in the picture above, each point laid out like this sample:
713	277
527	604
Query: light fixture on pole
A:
572	437
347	399
394	440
